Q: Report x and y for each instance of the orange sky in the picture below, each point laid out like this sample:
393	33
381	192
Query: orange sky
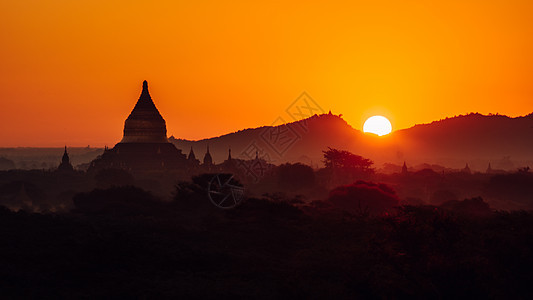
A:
71	71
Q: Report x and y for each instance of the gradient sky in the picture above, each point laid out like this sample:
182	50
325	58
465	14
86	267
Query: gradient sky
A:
71	71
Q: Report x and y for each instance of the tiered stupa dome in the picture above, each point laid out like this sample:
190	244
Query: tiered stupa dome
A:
144	146
145	124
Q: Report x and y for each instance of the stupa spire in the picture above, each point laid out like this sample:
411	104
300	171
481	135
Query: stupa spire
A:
208	160
404	168
65	158
65	164
192	156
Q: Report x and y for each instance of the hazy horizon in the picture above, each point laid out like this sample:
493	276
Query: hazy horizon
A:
85	143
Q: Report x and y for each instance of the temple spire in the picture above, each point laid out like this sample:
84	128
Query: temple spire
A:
145	97
65	158
192	156
489	169
65	164
208	160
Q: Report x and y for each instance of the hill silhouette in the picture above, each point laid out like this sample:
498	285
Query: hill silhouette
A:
303	140
474	138
497	138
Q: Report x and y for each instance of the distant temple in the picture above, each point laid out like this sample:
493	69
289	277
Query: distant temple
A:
404	168
466	170
144	145
192	161
208	160
192	157
65	165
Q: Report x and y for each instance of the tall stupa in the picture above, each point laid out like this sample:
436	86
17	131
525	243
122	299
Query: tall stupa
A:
145	124
144	145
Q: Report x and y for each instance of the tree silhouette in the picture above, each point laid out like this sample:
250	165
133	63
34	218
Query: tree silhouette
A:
335	159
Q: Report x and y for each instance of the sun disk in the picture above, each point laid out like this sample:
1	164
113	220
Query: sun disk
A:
377	125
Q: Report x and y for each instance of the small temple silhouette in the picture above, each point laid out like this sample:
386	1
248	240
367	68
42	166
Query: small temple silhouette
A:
144	145
466	170
65	165
193	161
404	169
208	160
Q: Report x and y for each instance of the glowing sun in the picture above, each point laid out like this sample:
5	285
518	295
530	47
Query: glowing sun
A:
377	125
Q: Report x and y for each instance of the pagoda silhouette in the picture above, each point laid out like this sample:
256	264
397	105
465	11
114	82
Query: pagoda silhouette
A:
144	145
65	165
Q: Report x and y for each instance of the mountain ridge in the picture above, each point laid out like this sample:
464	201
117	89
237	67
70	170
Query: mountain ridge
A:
455	141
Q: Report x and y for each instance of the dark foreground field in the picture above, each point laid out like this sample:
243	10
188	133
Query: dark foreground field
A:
126	244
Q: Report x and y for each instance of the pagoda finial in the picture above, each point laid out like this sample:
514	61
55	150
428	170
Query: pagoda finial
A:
145	85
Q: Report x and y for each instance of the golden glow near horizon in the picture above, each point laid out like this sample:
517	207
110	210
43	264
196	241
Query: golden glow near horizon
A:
71	71
377	125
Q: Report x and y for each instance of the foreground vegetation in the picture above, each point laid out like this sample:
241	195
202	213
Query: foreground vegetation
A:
124	242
